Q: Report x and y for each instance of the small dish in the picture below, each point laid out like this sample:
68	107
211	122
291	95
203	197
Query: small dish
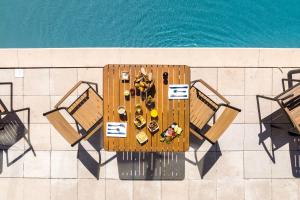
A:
153	126
142	137
139	121
124	76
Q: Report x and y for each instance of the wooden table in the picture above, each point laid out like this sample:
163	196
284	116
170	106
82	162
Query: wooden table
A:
169	111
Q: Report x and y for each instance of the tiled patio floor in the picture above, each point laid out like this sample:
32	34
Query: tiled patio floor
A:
239	168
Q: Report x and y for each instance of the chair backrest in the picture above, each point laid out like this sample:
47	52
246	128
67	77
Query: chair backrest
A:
222	123
202	108
87	109
63	126
291	104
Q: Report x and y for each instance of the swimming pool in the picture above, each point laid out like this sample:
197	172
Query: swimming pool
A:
145	23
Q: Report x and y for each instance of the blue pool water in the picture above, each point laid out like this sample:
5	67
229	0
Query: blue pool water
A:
149	23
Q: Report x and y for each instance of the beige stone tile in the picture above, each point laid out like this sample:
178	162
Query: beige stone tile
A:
209	75
257	164
203	189
63	164
8	57
91	189
258	189
38	105
230	189
11	168
111	168
41	186
285	189
58	142
275	57
256	140
62	80
231	81
40	137
233	138
88	164
63	189
39	57
284	166
251	110
201	165
36	82
258	81
146	190
230	165
174	190
117	189
11	188
92	75
8	75
37	166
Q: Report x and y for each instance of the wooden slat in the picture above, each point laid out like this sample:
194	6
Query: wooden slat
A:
187	111
131	114
176	80
148	118
138	99
155	135
159	105
182	110
128	108
116	103
173	143
111	103
165	104
146	115
105	105
121	99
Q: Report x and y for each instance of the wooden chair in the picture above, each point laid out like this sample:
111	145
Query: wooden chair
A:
86	110
288	100
203	109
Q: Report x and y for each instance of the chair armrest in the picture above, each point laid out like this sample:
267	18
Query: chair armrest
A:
14	111
68	94
211	89
222	123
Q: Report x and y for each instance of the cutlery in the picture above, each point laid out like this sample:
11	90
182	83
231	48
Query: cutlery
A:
120	133
175	91
178	95
122	125
175	87
113	129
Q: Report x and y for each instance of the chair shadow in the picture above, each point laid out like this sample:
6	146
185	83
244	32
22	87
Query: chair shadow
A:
208	160
12	132
279	130
84	156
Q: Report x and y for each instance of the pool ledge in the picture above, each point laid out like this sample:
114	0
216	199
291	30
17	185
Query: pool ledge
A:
195	57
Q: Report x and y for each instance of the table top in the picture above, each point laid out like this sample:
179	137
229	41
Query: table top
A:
169	111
